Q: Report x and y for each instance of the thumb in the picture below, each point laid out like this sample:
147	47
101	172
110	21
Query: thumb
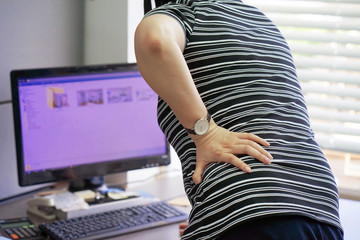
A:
199	169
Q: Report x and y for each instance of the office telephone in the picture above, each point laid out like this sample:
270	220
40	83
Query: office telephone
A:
47	206
43	207
20	229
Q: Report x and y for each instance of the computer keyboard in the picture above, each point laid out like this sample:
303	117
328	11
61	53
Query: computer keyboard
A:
116	222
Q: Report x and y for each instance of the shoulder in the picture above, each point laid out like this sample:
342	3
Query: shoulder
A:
182	10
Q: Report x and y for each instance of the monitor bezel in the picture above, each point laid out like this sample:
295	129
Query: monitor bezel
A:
81	171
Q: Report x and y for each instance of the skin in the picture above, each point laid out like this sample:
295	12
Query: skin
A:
159	46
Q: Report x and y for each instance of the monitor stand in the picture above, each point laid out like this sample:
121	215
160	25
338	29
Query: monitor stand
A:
93	183
116	180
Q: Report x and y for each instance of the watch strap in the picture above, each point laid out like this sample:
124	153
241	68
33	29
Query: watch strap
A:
192	131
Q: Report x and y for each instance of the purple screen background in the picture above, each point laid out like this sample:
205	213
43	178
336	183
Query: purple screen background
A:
72	121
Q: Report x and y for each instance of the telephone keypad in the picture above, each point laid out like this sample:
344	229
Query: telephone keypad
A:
20	229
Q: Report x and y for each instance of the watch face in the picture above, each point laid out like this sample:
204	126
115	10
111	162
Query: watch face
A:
201	126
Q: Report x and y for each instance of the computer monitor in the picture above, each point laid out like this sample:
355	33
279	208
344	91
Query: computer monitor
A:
76	123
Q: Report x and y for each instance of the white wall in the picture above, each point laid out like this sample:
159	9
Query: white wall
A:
135	14
33	33
105	27
109	30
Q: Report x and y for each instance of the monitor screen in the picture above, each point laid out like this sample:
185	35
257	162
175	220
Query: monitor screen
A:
82	122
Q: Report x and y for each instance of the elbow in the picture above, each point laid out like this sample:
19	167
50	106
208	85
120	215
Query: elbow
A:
154	44
150	42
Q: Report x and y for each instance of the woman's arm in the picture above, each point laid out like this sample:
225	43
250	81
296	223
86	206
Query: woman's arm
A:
159	45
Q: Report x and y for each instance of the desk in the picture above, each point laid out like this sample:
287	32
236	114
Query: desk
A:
166	186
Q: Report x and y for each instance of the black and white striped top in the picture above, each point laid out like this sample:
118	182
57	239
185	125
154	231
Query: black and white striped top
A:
245	74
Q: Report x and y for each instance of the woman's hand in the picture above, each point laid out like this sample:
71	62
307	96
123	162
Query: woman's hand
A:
221	145
182	227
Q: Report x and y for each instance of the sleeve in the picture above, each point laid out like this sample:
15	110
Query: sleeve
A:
183	13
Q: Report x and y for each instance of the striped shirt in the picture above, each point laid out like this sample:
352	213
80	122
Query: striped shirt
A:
245	74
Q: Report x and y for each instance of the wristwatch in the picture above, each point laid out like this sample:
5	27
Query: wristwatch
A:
201	126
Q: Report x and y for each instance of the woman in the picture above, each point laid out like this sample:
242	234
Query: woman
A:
231	106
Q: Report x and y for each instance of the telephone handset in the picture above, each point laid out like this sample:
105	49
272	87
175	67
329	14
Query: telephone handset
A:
42	206
46	206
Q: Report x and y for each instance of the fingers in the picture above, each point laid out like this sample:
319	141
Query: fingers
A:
235	161
182	227
199	169
249	144
226	157
181	232
254	138
231	159
224	146
252	149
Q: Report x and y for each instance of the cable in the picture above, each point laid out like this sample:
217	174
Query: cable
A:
146	179
5	102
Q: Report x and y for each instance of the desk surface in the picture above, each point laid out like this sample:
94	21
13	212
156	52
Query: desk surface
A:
165	187
168	186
